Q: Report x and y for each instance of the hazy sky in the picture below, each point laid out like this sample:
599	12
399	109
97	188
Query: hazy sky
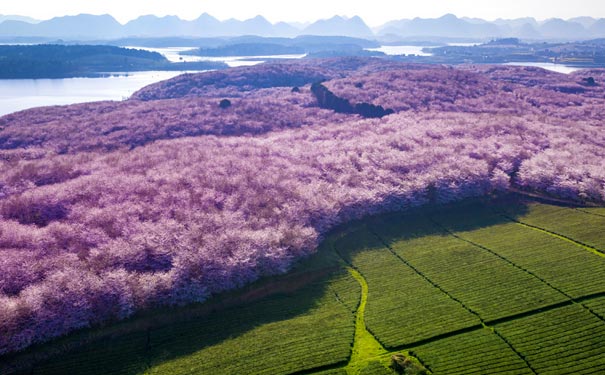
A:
374	12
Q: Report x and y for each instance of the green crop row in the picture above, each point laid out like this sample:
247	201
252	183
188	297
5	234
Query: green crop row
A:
567	222
346	289
564	340
278	335
337	371
487	284
424	272
564	265
402	306
597	305
593	210
317	335
477	352
124	355
376	368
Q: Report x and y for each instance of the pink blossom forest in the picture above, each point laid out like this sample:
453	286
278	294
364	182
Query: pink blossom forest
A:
110	208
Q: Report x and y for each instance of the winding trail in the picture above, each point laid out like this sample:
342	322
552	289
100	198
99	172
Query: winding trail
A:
365	345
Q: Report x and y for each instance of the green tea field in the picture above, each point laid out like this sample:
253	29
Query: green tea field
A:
479	287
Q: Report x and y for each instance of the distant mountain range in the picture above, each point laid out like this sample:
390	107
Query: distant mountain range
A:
104	27
17	18
450	26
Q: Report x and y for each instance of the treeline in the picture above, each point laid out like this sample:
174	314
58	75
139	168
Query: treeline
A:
313	46
590	53
63	61
326	99
110	208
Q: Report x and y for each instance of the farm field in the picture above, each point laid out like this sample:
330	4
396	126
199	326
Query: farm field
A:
567	222
476	287
207	183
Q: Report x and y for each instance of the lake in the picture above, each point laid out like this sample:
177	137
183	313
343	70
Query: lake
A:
548	66
401	50
417	50
173	55
19	94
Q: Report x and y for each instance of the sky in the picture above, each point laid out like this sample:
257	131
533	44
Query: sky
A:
374	12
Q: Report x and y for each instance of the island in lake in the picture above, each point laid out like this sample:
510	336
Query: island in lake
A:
66	61
584	54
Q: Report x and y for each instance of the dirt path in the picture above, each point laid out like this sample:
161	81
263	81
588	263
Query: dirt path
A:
365	345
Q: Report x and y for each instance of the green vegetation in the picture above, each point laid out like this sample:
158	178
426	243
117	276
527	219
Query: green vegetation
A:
476	352
278	335
593	210
485	283
472	288
406	364
564	340
567	222
338	371
562	264
366	347
402	306
64	61
289	337
375	368
597	306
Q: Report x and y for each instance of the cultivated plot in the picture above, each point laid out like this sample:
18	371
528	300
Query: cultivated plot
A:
470	288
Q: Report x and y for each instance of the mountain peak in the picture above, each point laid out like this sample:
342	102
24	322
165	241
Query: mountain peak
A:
448	16
338	25
206	17
259	20
335	17
93	27
12	17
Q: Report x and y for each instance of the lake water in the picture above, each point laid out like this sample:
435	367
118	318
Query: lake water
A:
234	61
401	50
412	50
548	66
173	54
19	94
417	50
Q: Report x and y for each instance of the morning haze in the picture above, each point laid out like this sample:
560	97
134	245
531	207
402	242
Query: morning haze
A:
84	27
310	187
375	13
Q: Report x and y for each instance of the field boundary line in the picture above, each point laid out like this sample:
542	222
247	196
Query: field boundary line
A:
506	319
569	297
541	198
362	334
483	323
584	246
364	339
510	345
333	366
421	274
439	337
289	283
573	241
453	234
581	209
590	297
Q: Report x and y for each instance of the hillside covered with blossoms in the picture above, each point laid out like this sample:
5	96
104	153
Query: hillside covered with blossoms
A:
167	198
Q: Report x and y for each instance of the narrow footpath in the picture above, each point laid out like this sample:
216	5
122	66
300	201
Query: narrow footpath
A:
365	345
